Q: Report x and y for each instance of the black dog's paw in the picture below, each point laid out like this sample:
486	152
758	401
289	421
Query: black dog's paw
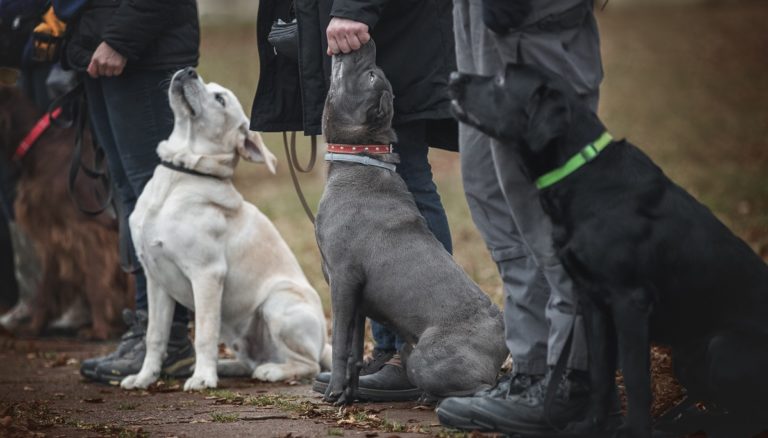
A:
502	15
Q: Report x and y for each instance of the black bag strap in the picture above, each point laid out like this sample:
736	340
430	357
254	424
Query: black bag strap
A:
293	165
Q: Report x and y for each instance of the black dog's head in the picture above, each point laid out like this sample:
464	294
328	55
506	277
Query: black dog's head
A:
525	106
358	109
521	104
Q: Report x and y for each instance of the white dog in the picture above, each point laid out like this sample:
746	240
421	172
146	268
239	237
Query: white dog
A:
202	245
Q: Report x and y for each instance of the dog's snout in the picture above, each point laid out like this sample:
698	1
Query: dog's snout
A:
189	73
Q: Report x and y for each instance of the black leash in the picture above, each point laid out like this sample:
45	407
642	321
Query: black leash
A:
74	104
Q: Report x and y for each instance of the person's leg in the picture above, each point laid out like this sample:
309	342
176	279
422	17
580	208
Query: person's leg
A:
547	306
139	98
115	104
416	171
525	290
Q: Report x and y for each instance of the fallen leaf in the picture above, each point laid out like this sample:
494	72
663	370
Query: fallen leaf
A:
93	400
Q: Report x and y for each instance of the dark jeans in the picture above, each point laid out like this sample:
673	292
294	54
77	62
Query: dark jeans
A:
415	170
130	115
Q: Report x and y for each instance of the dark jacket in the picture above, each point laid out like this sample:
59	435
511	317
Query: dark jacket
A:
152	34
415	48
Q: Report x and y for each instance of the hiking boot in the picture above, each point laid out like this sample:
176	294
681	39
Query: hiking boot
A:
179	359
129	339
390	383
371	364
523	413
511	384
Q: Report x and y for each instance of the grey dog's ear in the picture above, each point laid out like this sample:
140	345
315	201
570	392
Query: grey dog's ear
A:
253	149
549	115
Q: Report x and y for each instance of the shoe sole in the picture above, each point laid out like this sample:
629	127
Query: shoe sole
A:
450	419
376	395
520	430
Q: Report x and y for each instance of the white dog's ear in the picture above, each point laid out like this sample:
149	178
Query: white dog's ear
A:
253	149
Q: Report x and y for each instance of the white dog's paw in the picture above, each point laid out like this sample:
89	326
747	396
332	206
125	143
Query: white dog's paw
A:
200	382
136	381
270	372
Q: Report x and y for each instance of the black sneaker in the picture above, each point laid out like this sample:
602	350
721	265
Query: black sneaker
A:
129	339
371	364
521	414
180	357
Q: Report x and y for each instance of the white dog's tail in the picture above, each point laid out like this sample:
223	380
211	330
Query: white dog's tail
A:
325	358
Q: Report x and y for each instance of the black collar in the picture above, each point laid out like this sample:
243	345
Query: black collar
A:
183	169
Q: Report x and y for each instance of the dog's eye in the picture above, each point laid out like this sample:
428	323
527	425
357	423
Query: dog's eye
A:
500	80
220	98
371	76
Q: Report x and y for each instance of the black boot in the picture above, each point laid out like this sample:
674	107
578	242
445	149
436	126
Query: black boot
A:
523	413
180	356
371	365
390	383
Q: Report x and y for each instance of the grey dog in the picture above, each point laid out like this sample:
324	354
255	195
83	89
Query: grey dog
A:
382	261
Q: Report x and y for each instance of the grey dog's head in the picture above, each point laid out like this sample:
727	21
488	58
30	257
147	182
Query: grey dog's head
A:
358	109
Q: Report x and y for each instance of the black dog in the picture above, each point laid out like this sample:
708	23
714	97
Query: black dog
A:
652	263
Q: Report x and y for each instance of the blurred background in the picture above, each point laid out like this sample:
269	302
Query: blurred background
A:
685	81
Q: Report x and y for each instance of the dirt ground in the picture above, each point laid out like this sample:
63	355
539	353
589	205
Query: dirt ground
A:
42	394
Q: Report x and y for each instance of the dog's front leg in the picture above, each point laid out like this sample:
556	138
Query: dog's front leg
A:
631	313
161	307
602	366
348	332
208	289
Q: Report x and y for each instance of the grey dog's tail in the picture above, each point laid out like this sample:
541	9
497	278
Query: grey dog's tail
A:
325	358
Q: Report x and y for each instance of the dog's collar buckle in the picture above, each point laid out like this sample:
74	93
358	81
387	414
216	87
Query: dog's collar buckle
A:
359	148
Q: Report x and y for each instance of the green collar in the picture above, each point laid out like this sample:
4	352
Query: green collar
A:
584	156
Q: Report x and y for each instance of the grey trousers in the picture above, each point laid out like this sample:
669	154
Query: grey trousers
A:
540	309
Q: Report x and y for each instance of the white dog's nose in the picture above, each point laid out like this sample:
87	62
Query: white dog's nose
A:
189	73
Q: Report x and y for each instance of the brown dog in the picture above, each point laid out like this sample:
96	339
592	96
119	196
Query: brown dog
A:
78	253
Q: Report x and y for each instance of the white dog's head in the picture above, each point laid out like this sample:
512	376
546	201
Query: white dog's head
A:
210	128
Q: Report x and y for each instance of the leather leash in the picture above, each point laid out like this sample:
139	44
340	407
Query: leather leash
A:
293	166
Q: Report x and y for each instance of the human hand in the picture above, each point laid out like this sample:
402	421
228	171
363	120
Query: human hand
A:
502	15
346	35
106	61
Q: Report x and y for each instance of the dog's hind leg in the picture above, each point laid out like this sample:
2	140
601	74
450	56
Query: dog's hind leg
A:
632	311
161	307
734	379
297	334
